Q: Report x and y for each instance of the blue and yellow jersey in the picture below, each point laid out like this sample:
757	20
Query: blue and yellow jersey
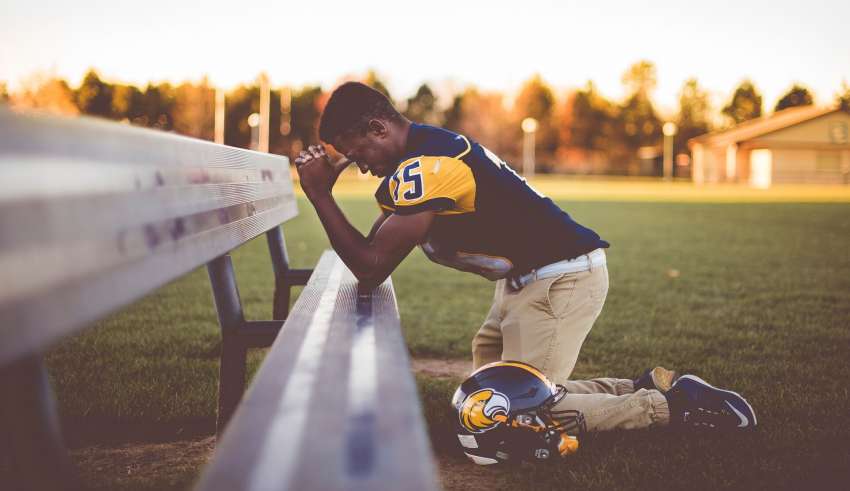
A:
489	220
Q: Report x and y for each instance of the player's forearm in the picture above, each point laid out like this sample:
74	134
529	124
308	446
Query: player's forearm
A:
351	246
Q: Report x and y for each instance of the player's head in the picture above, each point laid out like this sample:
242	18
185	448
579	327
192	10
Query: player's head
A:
362	124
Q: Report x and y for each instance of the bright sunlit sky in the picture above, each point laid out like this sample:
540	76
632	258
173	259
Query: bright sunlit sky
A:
491	44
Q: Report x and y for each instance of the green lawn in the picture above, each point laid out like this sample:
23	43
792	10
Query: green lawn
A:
761	304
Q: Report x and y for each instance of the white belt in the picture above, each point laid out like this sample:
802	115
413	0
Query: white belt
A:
586	262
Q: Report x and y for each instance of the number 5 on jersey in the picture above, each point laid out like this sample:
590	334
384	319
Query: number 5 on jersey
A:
410	180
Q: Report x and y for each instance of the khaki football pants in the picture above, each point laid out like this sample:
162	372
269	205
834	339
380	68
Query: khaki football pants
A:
544	324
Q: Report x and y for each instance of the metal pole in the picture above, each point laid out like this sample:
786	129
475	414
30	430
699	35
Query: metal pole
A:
231	382
265	98
528	155
669	130
529	127
668	157
219	115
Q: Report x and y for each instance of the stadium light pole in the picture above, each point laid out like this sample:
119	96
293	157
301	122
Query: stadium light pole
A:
254	123
529	127
669	129
265	100
219	116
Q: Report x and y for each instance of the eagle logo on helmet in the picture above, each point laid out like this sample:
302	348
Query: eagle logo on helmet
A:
483	410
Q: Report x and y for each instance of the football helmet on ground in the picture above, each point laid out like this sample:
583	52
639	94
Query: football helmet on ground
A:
505	415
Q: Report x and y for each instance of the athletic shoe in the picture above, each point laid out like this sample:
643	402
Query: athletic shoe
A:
658	378
696	403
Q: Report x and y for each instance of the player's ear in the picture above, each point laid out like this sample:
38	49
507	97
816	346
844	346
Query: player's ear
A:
378	128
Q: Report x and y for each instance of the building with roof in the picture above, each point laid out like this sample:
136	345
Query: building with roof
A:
805	144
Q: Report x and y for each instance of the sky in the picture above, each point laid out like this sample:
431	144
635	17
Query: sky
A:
494	45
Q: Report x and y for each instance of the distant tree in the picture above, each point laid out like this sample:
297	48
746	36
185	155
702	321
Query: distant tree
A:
745	103
694	114
589	136
796	96
453	114
422	107
373	80
128	104
4	92
591	122
842	98
638	121
482	116
158	107
94	96
536	100
306	109
640	78
45	93
194	109
239	104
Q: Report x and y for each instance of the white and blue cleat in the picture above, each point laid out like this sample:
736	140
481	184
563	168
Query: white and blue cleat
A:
696	403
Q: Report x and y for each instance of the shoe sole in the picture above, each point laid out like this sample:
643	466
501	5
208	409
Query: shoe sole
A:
734	395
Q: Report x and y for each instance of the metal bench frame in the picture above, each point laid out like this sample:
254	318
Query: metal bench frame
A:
237	334
139	208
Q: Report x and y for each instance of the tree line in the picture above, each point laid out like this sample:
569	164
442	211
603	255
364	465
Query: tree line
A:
581	131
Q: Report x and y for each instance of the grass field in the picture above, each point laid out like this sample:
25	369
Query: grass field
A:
761	304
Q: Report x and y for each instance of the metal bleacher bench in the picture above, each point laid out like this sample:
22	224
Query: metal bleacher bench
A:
94	215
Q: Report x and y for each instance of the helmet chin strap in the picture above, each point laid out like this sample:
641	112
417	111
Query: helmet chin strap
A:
566	444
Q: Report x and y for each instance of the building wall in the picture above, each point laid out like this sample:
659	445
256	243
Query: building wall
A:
743	161
818	166
715	164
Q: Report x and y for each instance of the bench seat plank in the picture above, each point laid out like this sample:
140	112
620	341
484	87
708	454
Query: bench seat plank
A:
94	215
334	406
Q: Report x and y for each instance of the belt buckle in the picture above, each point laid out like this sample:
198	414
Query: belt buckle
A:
519	282
513	283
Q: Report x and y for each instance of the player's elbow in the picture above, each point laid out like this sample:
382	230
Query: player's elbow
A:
369	280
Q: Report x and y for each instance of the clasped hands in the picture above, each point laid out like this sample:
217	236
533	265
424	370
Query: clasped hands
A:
316	171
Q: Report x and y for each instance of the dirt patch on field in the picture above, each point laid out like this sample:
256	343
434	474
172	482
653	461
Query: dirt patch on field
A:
462	475
176	465
171	465
433	367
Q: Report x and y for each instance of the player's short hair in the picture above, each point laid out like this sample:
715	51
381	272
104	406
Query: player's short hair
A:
350	108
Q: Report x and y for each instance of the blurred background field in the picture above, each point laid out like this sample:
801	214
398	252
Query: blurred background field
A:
750	291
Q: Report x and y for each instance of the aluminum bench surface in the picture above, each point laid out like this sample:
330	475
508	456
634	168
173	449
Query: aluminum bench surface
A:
95	214
334	405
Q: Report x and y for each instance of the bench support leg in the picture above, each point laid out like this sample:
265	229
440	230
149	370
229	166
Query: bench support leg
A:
280	264
231	380
238	335
29	425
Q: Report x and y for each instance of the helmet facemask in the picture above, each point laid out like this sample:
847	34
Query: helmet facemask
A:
542	437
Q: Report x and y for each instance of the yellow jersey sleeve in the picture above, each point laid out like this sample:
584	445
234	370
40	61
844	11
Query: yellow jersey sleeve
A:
443	184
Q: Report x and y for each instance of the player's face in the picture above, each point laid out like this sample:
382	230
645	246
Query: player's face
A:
372	152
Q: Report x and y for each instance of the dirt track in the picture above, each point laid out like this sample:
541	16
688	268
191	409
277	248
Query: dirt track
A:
139	465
